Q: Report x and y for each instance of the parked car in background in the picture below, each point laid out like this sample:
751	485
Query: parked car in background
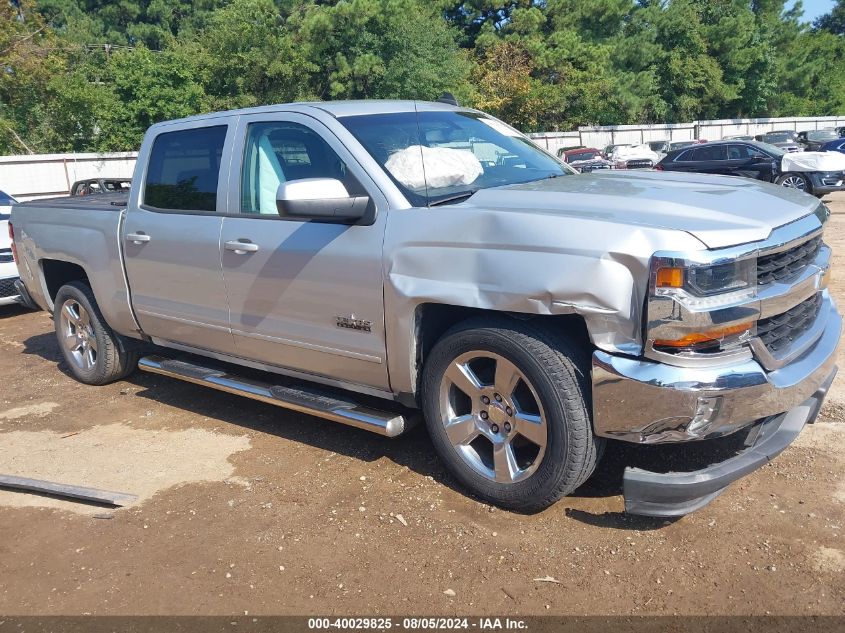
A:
809	172
367	255
586	159
661	147
634	157
562	150
681	144
738	137
787	140
841	131
812	140
834	146
92	186
8	270
608	151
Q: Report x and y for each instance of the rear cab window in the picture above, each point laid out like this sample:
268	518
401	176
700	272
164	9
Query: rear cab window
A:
184	170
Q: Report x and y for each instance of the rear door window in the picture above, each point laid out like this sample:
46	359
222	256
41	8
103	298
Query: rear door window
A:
715	152
184	170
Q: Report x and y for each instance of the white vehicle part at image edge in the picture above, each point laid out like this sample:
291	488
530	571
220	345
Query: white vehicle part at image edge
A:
813	161
8	270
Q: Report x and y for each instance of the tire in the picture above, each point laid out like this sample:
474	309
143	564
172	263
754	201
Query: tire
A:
794	181
91	349
543	382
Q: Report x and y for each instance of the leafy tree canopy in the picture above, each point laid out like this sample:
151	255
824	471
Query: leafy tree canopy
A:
93	74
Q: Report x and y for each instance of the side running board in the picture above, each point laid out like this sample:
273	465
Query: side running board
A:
322	404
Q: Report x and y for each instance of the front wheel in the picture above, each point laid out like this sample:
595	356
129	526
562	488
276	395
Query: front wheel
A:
507	408
92	350
794	181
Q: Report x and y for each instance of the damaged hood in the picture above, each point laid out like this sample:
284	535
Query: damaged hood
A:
719	211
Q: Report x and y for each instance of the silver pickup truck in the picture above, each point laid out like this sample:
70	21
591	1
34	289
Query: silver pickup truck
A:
372	258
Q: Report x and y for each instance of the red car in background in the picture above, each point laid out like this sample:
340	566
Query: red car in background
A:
585	159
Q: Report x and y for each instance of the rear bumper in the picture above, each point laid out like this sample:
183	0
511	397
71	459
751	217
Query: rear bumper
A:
24	297
675	494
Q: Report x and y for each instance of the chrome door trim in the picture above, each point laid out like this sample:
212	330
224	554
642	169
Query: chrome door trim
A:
311	346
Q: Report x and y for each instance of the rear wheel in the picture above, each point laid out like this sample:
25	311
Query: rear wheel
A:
92	350
794	181
507	408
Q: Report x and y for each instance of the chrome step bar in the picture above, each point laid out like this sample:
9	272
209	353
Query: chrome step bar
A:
303	399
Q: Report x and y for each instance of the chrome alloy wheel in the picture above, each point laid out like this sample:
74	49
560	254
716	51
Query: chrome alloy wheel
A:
493	417
794	182
78	335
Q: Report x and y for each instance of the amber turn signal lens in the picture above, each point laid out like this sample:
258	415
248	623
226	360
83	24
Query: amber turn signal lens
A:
670	278
697	338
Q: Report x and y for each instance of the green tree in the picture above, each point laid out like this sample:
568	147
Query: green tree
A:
833	22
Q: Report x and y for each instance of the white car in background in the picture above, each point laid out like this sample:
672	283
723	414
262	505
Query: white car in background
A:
8	270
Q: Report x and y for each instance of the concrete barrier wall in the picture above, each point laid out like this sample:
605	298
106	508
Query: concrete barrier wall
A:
601	137
27	177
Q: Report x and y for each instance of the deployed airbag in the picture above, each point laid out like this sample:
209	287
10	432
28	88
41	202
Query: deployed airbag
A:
813	161
444	167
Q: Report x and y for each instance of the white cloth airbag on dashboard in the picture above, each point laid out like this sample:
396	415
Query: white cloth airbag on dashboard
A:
444	167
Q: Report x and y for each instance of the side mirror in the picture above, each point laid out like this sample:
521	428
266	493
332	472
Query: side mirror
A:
319	199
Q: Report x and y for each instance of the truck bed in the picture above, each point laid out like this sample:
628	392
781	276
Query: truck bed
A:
99	202
83	231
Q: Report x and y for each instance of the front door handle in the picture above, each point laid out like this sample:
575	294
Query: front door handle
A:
241	247
137	238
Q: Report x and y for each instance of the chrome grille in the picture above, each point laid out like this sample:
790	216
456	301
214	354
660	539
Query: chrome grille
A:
772	268
6	256
779	331
7	287
639	164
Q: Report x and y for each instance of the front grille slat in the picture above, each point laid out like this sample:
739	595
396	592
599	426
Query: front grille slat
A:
779	331
786	264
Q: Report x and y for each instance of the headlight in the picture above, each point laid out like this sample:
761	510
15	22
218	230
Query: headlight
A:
706	286
715	312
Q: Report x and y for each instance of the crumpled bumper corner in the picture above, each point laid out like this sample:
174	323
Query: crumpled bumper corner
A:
678	493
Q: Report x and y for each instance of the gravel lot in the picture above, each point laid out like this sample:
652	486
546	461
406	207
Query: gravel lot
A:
247	508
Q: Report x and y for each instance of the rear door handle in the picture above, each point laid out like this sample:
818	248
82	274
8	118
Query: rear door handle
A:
241	247
137	238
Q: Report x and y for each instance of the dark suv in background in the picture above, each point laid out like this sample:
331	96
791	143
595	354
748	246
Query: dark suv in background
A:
813	140
750	159
787	140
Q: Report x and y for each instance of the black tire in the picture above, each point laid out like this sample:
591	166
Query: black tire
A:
111	361
558	370
784	178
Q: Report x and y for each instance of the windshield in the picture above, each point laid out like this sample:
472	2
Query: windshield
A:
772	150
822	135
778	137
658	146
576	156
435	157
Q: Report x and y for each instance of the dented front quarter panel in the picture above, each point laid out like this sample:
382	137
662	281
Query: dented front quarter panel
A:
522	261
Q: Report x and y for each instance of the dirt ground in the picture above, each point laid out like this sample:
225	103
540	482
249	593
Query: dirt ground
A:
246	508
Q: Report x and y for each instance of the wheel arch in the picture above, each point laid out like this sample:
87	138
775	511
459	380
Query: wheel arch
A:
433	320
57	273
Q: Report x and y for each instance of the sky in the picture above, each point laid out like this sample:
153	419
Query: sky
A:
815	8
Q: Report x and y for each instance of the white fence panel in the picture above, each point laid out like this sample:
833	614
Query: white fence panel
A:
27	177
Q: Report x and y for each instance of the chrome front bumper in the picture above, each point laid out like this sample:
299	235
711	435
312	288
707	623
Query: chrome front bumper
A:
647	402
